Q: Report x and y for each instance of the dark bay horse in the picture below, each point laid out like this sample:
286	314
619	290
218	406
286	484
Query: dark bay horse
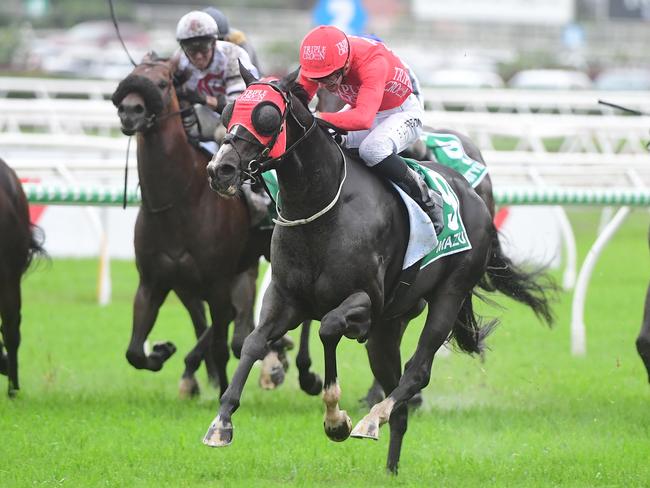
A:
187	239
338	259
643	341
20	241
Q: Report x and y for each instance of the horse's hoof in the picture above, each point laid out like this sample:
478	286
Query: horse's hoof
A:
272	374
366	429
188	388
164	350
219	434
340	431
311	384
12	393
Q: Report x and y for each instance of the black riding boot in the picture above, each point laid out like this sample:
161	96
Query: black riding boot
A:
395	169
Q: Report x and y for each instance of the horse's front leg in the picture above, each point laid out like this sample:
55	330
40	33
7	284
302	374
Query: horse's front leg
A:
351	318
148	300
277	317
10	303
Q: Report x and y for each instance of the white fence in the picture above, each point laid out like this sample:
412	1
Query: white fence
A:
502	100
55	137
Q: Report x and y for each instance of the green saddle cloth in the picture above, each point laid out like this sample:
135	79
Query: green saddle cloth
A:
449	151
453	237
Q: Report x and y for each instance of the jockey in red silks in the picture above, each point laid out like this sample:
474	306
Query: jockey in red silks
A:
384	117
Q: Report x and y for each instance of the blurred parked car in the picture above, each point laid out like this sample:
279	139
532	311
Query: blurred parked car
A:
550	79
623	79
89	49
101	33
462	78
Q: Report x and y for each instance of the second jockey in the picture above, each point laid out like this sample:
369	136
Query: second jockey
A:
207	70
209	77
385	116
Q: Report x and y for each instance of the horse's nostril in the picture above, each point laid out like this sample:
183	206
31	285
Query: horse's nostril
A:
138	109
226	171
211	171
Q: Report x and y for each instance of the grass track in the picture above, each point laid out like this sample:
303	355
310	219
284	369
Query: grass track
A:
531	415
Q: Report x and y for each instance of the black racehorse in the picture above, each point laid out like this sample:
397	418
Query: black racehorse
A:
338	259
330	102
187	239
20	241
643	341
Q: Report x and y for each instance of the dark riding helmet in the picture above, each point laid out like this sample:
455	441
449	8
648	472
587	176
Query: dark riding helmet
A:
220	19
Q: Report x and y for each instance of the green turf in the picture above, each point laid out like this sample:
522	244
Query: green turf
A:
531	415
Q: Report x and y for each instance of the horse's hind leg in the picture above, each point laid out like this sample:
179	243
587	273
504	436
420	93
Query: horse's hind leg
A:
443	310
148	300
196	309
10	302
385	361
222	313
376	392
243	299
310	382
643	341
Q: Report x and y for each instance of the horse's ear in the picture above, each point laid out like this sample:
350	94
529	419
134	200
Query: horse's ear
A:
245	74
287	82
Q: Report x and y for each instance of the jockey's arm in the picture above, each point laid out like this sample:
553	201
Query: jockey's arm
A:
371	93
311	87
233	82
216	103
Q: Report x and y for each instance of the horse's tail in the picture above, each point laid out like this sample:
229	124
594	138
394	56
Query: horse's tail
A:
469	332
36	244
530	288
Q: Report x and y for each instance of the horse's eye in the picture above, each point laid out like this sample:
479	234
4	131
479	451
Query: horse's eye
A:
162	84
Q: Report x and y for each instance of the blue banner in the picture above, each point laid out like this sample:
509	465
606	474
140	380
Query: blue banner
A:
348	15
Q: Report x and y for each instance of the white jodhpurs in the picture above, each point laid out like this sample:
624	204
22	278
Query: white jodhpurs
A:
392	131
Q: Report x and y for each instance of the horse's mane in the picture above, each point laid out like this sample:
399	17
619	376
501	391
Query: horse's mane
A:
299	91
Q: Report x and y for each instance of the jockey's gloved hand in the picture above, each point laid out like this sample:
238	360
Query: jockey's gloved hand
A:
192	96
222	101
337	133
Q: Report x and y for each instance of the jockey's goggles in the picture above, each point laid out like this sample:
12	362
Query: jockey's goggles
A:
193	47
